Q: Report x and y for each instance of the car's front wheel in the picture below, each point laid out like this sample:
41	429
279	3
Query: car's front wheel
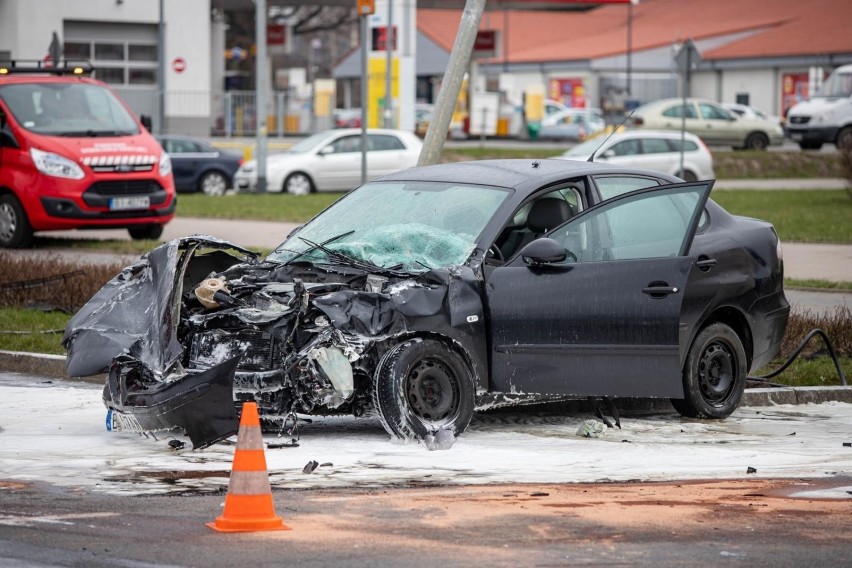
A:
213	183
422	386
714	375
844	138
15	229
298	183
143	232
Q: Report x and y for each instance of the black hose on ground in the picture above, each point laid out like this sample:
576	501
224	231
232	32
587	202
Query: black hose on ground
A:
764	379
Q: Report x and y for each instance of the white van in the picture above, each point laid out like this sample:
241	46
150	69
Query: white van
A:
826	116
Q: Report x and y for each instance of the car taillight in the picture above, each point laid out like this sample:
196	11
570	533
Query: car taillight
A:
703	145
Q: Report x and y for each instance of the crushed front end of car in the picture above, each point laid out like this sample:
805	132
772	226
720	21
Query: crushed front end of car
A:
199	325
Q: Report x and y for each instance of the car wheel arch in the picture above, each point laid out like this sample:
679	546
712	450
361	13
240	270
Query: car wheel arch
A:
737	321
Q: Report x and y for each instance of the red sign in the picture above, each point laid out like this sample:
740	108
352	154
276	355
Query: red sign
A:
380	38
485	44
276	34
179	64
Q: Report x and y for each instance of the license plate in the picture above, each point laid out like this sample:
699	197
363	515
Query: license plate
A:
796	135
122	203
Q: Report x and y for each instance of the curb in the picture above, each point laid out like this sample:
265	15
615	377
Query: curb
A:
53	367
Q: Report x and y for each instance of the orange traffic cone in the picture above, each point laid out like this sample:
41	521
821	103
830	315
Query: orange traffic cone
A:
248	504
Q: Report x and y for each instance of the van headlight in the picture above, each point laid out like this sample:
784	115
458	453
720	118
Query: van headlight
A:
55	165
165	164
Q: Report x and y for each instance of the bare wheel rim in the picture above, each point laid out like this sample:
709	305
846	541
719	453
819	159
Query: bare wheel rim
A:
298	184
716	373
214	184
8	222
432	391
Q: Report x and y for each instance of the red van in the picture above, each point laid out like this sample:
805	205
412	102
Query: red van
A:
74	156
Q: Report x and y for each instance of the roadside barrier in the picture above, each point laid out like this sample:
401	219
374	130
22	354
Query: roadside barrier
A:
248	504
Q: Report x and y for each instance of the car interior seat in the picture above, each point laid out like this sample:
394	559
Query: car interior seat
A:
544	215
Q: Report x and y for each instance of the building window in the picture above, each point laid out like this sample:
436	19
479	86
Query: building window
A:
142	52
112	75
109	51
142	76
76	50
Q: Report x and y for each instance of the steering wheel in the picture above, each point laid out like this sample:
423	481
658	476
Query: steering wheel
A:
495	252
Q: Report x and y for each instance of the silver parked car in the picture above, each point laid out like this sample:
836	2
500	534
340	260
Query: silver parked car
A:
710	121
657	150
331	161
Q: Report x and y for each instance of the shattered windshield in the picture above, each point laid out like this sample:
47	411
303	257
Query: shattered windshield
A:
68	109
409	226
838	85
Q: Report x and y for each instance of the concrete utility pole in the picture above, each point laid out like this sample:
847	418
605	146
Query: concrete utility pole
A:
433	145
261	72
389	44
365	50
161	73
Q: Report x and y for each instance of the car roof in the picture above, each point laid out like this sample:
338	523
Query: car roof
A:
523	175
647	133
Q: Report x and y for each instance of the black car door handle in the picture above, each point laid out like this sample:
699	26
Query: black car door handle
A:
705	263
659	291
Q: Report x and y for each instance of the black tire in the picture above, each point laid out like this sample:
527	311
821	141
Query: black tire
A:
213	183
810	145
145	232
844	138
299	183
757	141
15	229
422	386
687	176
714	374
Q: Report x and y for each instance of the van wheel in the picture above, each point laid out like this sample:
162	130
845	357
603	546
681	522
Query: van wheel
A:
422	386
810	145
757	141
15	229
714	375
145	232
844	139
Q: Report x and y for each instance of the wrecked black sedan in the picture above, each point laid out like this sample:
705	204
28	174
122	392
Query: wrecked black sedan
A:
435	291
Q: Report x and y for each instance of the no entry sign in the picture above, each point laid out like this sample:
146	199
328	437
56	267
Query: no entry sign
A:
179	64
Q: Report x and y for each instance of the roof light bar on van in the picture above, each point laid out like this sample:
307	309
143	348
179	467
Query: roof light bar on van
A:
36	66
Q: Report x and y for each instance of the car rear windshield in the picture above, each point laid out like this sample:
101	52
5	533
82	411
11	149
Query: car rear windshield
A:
409	226
68	109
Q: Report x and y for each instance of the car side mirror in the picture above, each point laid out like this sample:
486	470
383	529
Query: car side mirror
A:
608	154
146	122
326	151
543	251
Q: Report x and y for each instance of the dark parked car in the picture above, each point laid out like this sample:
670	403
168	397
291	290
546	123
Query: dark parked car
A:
433	291
198	166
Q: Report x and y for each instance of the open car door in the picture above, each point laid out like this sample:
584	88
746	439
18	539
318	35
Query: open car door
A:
604	320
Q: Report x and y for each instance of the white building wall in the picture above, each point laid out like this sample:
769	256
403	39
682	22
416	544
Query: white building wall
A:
188	37
705	85
759	84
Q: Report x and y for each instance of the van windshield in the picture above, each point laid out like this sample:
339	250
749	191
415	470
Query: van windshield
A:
68	109
838	85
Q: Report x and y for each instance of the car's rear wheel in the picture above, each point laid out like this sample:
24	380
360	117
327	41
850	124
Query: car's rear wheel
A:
844	139
757	141
422	386
687	176
714	375
213	183
145	232
298	183
15	229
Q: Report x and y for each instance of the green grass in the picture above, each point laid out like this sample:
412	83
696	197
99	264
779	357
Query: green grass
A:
809	372
264	207
131	248
32	323
820	216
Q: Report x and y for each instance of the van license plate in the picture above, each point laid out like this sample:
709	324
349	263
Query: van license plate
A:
122	203
796	136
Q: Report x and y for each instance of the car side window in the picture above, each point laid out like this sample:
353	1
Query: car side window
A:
380	142
648	225
655	146
676	111
626	148
712	112
346	144
612	186
688	145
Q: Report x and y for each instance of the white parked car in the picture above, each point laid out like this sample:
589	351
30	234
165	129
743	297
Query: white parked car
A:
331	161
746	111
657	150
